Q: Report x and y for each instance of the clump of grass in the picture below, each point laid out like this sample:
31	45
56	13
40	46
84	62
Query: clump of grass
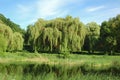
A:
64	55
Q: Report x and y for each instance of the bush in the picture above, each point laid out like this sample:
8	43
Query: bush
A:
64	55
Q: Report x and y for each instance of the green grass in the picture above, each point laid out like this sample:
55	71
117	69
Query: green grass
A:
34	66
73	59
48	72
52	77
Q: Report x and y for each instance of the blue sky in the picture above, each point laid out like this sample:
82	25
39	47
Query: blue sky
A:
25	12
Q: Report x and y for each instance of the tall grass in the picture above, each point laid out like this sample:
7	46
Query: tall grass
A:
29	66
51	76
35	71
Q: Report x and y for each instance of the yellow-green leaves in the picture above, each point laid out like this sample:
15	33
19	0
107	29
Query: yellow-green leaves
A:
8	40
60	34
3	43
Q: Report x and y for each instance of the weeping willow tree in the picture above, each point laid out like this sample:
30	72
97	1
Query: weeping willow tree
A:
3	44
17	42
8	39
73	34
29	37
6	33
58	35
76	33
49	40
33	32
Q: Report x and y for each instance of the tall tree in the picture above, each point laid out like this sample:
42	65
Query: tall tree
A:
93	32
17	42
9	38
109	34
58	35
3	43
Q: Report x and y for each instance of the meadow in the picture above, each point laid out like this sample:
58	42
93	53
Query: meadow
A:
44	66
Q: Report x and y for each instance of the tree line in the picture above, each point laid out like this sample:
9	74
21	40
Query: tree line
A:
61	35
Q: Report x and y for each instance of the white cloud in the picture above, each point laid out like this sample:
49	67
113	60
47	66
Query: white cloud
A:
46	9
52	8
92	9
100	16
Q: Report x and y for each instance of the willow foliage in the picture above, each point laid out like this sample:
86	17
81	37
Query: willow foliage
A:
59	35
10	41
6	32
17	42
3	44
33	32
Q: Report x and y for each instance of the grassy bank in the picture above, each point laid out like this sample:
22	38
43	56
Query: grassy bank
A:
58	58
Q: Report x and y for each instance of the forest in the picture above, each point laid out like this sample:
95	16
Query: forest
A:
61	35
60	49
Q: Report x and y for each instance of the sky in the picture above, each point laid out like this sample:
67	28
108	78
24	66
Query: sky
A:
25	12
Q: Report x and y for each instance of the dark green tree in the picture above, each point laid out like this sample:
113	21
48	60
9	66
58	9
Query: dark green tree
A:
109	35
93	32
